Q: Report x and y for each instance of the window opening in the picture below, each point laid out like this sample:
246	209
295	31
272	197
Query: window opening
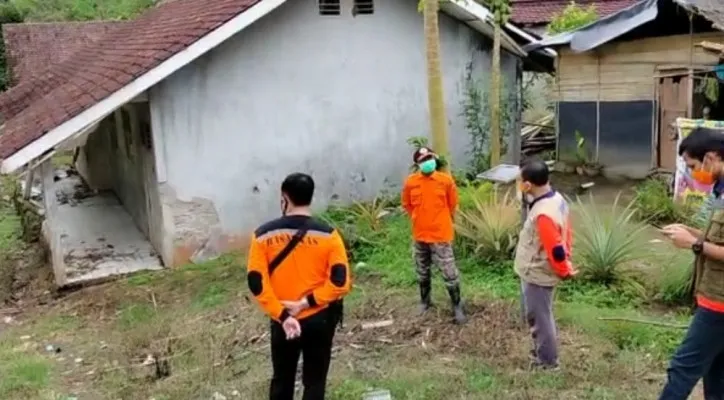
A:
329	7
363	7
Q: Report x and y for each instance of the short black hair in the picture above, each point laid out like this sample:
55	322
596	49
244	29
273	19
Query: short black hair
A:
701	141
535	172
299	188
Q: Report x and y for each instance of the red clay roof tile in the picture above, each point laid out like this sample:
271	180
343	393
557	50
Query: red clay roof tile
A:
34	107
541	12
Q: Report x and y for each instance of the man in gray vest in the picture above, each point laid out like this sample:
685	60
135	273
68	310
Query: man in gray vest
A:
542	258
701	354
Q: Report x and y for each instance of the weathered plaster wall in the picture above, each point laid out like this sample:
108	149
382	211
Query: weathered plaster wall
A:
333	96
94	159
117	157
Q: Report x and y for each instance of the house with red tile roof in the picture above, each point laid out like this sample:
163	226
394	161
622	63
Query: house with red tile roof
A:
623	80
535	15
185	120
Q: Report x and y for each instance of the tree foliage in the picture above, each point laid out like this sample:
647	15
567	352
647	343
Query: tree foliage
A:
79	10
501	11
8	14
571	18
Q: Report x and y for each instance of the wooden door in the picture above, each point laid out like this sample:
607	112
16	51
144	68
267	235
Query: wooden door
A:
673	104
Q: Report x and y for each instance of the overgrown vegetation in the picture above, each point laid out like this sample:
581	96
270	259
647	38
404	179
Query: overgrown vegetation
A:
10	242
15	11
571	18
476	110
8	14
619	270
675	279
192	332
609	242
490	224
77	10
655	204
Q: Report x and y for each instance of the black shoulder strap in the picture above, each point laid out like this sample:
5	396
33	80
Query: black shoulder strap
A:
295	240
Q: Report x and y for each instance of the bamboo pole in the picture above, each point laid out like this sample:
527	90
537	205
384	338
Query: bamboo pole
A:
640	321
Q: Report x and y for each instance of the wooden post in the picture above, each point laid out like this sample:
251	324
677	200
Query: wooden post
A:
517	157
28	182
598	104
557	117
51	209
690	87
654	124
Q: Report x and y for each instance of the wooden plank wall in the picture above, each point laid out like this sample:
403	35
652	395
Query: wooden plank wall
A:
624	71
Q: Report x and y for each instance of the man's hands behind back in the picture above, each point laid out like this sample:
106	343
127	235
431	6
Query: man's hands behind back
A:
292	328
295	307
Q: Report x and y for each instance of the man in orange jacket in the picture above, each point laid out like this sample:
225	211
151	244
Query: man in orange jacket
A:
430	198
298	272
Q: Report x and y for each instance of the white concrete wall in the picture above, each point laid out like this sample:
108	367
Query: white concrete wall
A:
333	96
115	158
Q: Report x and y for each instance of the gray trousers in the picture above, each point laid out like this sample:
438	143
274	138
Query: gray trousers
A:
538	303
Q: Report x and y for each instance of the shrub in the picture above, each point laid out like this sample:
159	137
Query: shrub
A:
360	225
675	279
490	224
467	196
370	213
10	247
464	178
655	203
607	241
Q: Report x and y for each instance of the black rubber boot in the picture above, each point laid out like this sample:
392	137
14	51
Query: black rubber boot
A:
425	296
454	292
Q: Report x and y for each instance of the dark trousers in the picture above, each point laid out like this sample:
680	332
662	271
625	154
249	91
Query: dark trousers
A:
315	345
538	303
700	355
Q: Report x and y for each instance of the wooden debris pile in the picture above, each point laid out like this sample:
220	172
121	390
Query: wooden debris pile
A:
538	136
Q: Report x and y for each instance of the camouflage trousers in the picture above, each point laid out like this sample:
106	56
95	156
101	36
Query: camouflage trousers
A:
441	254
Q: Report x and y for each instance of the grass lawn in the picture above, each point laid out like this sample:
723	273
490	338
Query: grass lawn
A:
193	332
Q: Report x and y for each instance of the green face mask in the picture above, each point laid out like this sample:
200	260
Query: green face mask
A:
427	167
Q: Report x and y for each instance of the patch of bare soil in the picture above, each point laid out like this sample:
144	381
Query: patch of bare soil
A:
121	341
492	330
25	277
604	190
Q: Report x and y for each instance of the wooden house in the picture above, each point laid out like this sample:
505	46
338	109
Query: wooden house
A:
622	81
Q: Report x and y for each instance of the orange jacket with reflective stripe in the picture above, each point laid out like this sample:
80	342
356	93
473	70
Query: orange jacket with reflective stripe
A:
431	201
316	269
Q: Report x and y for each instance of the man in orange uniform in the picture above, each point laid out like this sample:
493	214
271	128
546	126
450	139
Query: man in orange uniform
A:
542	258
430	198
298	272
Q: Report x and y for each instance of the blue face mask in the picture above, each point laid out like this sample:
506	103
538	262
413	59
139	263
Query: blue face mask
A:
427	167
